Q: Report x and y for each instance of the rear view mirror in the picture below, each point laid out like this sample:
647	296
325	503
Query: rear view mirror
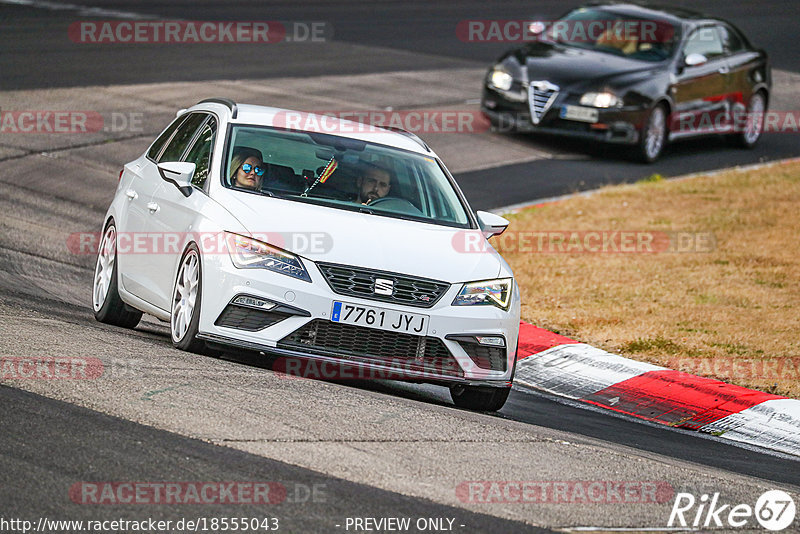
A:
491	224
179	174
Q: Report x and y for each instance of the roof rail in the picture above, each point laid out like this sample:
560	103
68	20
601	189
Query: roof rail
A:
225	102
408	134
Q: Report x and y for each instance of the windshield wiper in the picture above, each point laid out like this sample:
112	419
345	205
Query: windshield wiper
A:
366	210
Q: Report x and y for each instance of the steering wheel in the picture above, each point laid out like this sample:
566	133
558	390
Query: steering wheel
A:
396	204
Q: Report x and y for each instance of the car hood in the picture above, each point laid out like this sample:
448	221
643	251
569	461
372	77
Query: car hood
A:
575	68
331	235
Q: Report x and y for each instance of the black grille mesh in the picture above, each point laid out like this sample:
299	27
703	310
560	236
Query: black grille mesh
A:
358	282
379	346
486	357
250	319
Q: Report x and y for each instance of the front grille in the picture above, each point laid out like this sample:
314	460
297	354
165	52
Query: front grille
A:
358	343
486	357
407	290
541	95
250	319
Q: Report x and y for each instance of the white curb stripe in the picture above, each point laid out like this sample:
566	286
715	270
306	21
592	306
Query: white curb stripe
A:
577	370
774	424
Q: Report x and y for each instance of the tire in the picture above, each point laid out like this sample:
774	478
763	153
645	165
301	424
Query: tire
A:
482	398
754	125
653	136
186	301
479	398
106	302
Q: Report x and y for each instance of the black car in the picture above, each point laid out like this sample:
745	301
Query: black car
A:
630	74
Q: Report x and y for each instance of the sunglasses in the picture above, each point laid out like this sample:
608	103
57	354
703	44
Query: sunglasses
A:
247	168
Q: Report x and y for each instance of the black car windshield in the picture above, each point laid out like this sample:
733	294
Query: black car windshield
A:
343	173
619	34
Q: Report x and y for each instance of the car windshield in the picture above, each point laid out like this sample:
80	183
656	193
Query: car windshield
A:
614	33
343	173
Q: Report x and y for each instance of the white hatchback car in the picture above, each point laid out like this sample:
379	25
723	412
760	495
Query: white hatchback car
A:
343	245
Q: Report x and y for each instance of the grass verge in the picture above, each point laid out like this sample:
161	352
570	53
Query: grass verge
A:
700	275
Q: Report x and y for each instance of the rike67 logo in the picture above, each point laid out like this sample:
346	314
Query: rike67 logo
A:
774	510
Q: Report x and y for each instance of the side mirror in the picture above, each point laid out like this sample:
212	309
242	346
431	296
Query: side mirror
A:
491	224
693	60
179	174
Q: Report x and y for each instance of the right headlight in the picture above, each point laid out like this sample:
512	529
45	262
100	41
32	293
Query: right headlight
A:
249	253
501	79
486	293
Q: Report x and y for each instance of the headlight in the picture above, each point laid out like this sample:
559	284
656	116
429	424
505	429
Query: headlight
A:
600	100
247	253
486	292
501	79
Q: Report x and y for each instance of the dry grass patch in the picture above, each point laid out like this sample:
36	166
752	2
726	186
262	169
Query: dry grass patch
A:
730	311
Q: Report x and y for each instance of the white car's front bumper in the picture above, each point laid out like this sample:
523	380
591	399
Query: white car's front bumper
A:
312	303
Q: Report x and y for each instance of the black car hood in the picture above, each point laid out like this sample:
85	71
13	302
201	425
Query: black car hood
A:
574	68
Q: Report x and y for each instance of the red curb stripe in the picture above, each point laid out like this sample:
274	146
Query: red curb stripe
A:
533	339
677	399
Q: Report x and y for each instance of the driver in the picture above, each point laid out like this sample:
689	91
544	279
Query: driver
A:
374	182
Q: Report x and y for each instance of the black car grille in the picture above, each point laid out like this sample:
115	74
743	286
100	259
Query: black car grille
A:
358	343
358	282
249	319
541	96
485	357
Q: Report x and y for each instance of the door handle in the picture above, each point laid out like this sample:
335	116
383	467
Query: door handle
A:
153	207
724	70
131	194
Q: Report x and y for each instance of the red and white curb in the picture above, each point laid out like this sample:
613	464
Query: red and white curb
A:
567	368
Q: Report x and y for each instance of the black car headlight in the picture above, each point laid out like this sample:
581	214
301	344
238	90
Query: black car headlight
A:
501	78
604	99
249	253
486	293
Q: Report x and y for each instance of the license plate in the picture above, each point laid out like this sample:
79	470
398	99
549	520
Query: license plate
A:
578	113
394	321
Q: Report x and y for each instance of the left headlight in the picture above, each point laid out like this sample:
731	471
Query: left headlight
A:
601	100
486	292
248	253
501	79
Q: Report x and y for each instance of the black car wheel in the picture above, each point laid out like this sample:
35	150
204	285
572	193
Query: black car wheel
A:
753	126
482	398
653	136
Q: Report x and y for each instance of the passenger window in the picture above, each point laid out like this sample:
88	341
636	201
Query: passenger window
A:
163	138
731	40
705	41
182	137
200	154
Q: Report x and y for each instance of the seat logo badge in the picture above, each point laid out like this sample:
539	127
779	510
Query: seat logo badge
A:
384	286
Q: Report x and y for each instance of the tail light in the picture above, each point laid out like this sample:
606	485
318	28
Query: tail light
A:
120	175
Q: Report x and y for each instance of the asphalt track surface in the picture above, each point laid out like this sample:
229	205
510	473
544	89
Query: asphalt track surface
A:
236	420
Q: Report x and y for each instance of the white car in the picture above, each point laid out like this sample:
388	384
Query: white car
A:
338	245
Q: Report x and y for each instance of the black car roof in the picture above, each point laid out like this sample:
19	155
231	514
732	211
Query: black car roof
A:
674	14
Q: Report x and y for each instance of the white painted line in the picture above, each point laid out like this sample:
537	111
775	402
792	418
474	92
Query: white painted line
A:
577	370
